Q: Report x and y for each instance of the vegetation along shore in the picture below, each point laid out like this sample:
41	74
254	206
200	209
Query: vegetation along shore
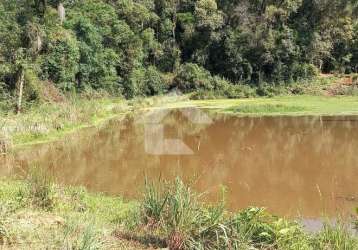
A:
66	65
36	213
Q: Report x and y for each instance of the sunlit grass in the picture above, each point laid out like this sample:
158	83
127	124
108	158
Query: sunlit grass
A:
48	122
283	105
73	219
175	214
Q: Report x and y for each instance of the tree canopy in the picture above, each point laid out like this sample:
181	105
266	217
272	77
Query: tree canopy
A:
144	47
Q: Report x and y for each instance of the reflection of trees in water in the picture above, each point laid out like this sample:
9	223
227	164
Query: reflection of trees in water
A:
276	162
288	157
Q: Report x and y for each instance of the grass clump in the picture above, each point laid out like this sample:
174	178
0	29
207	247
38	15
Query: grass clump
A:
175	212
40	188
81	236
336	237
172	215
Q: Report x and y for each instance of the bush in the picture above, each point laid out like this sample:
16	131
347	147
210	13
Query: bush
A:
145	82
224	89
61	63
270	90
231	92
192	77
153	83
6	99
304	71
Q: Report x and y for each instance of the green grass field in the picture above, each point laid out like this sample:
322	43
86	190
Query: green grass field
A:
282	105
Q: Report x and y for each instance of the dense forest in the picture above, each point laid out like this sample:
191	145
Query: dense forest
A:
147	47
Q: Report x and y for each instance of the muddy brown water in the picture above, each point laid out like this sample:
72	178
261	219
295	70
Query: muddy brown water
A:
293	166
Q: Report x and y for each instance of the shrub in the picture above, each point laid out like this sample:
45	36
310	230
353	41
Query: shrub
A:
153	204
145	82
7	100
270	90
224	89
240	91
61	63
192	77
304	71
153	83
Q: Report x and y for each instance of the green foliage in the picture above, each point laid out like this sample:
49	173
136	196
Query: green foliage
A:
82	220
224	89
61	63
123	47
192	77
173	210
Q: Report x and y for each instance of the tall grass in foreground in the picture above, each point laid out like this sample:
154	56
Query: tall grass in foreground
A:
81	236
335	237
40	187
175	212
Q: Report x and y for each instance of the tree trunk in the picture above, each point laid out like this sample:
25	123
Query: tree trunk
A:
175	7
61	12
20	91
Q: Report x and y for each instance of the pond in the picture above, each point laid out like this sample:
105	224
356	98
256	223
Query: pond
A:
295	166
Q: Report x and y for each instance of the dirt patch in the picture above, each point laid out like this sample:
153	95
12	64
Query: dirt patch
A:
51	93
140	241
341	86
5	145
35	220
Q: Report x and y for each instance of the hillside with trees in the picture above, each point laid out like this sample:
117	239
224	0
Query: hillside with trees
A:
147	47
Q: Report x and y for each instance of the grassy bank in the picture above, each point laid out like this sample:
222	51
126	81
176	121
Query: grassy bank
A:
38	214
281	105
49	122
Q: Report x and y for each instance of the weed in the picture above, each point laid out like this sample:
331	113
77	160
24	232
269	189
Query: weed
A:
187	223
81	236
155	199
3	229
40	186
5	143
335	237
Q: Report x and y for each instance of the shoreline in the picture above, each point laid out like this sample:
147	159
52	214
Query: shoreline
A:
42	130
73	214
